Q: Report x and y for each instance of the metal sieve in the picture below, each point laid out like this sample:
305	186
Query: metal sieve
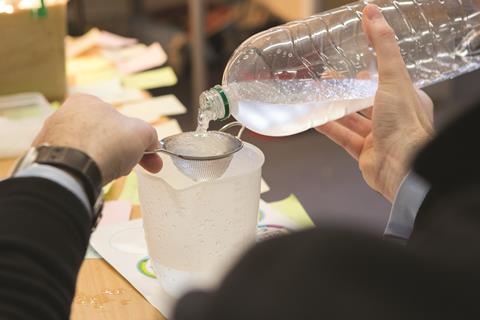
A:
205	167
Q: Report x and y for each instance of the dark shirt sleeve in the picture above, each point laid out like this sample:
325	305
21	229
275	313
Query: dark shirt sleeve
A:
44	233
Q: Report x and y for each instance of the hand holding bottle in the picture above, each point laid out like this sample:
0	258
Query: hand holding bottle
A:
400	122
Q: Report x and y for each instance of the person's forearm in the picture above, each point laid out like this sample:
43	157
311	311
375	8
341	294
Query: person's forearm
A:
43	238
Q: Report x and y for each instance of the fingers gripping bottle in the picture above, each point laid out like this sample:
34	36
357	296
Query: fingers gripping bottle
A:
305	73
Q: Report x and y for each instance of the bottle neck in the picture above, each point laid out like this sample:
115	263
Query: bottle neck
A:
215	101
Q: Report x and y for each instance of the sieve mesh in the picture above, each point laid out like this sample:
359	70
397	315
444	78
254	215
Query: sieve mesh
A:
202	157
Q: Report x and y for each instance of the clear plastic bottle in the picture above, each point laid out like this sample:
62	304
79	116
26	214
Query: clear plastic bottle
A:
305	73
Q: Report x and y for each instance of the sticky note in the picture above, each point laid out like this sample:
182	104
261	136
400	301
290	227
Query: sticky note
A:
95	38
150	110
264	187
124	53
110	91
114	212
79	45
151	57
294	210
93	76
167	129
106	188
88	64
110	40
163	77
92	254
130	189
22	112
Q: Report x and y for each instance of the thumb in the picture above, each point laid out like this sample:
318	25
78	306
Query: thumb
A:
152	162
391	66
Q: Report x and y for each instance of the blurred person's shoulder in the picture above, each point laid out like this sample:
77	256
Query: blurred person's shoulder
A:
452	158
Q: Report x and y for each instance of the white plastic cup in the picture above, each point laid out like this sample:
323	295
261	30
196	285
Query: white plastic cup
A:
196	230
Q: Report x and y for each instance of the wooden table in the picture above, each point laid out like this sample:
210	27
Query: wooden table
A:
102	293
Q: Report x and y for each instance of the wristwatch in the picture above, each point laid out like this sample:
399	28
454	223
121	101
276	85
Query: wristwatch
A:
76	163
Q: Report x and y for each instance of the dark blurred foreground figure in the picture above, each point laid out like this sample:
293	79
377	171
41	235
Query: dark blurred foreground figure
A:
331	274
50	203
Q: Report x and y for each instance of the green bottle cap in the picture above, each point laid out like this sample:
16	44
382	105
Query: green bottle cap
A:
226	104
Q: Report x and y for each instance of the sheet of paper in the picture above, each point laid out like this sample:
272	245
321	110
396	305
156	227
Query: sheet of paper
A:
92	253
168	128
100	89
90	69
88	64
93	76
106	188
95	38
293	209
271	217
124	53
150	110
163	77
152	57
110	91
114	212
79	45
130	189
264	187
111	40
123	246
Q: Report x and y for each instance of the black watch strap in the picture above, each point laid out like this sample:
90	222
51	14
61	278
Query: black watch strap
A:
80	165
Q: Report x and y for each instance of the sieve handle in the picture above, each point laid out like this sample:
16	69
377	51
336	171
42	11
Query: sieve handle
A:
234	124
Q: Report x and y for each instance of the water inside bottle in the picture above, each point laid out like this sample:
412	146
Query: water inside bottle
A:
285	107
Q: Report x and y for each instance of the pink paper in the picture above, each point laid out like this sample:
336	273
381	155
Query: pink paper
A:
151	57
115	212
77	46
96	38
113	41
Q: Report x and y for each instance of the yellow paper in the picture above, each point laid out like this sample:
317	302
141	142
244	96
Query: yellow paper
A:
163	77
151	109
79	45
168	128
89	64
264	187
93	77
294	210
55	104
106	188
130	189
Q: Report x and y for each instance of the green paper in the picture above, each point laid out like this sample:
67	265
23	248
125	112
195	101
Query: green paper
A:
163	77
92	254
18	113
294	210
130	189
